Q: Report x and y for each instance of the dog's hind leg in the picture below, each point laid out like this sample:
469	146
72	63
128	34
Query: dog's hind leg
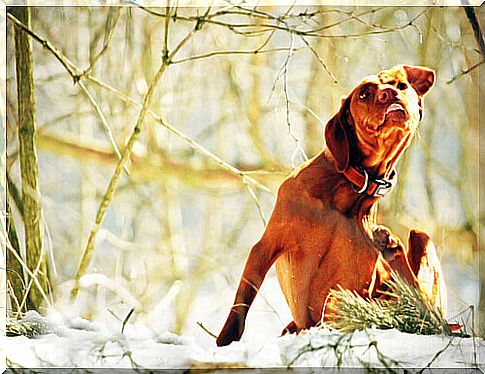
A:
290	329
425	264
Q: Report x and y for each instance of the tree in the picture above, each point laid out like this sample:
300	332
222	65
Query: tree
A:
38	286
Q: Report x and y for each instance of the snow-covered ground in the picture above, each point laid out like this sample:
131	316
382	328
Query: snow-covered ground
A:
145	342
80	343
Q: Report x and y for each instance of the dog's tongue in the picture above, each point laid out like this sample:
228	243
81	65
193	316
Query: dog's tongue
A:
393	107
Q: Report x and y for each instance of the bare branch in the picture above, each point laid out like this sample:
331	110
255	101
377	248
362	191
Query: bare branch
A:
111	24
148	168
324	66
465	72
68	65
75	72
206	330
193	144
298	148
234	52
165	34
103	121
258	204
251	29
110	191
108	195
32	275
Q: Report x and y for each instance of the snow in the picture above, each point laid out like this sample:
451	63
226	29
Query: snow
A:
81	343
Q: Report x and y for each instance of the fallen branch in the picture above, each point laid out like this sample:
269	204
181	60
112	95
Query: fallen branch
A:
407	311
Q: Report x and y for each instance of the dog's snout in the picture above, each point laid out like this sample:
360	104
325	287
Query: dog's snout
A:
387	95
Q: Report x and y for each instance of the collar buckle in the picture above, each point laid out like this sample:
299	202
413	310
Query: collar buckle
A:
362	183
383	187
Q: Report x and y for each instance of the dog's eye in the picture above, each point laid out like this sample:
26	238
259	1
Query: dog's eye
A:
364	94
402	86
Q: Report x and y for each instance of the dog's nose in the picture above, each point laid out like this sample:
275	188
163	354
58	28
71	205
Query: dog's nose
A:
387	95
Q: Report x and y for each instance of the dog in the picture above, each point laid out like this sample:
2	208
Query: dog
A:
323	231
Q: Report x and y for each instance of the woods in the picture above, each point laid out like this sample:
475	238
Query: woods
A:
145	147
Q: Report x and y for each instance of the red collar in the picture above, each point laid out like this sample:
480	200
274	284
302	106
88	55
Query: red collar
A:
364	183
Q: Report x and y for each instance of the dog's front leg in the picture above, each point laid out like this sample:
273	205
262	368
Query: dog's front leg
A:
260	259
394	254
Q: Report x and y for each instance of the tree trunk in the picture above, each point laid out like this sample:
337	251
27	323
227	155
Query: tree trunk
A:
35	256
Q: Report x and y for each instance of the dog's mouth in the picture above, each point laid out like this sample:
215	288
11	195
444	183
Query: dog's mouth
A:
395	113
394	116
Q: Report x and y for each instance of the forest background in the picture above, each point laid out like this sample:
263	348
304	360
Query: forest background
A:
160	136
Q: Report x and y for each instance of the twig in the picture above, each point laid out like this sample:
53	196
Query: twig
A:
287	102
235	52
215	158
29	272
104	122
357	18
309	110
125	321
339	347
314	52
384	30
465	72
388	362
165	34
281	25
257	289
206	330
71	69
284	68
265	43
14	268
107	40
258	204
435	357
36	271
49	251
11	293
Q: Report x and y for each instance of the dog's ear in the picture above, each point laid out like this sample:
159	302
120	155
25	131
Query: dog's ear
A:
421	78
336	137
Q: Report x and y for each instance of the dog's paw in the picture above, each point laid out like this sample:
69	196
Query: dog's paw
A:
387	242
232	330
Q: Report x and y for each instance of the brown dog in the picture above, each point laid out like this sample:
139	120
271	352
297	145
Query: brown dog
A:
323	231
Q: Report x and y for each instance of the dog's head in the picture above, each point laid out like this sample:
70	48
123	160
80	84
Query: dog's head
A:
379	118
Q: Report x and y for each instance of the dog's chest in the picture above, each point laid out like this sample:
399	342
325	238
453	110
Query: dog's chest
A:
308	272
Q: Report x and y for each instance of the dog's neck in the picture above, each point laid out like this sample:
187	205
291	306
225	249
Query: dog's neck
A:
325	182
381	161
